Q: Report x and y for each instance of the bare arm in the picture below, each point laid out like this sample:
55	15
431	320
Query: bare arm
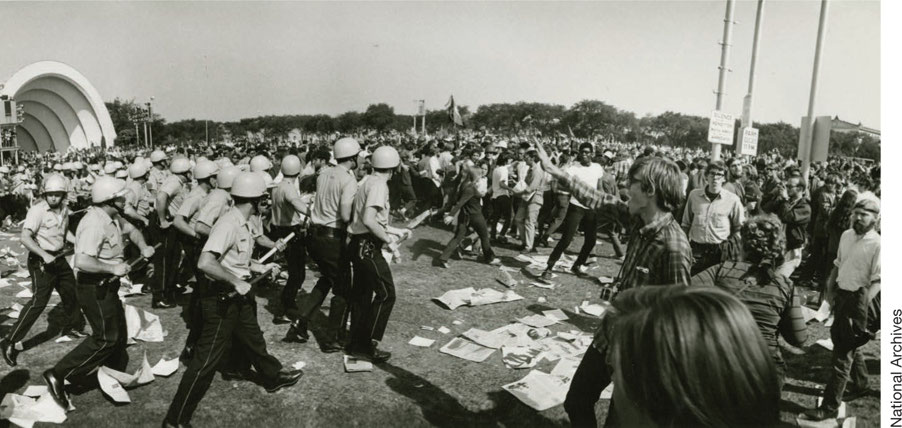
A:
369	220
29	243
181	224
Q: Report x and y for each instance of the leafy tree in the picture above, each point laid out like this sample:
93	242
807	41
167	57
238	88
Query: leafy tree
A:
379	116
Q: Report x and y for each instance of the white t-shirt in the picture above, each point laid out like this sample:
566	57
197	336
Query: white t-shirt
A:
499	175
587	174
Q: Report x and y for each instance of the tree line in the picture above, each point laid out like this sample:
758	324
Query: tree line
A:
585	119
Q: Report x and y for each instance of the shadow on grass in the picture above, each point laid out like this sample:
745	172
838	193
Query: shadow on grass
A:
443	410
426	247
14	380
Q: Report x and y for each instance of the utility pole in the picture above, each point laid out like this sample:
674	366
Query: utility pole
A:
809	136
724	59
150	114
747	102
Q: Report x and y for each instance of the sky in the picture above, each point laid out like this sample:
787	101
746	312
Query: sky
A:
226	61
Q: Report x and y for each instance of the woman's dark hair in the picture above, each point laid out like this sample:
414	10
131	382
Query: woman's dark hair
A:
764	240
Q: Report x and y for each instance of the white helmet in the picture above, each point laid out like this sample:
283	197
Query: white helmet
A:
4	169
109	169
248	185
57	167
137	170
385	157
291	165
180	166
77	165
121	173
205	169
260	163
226	177
106	188
157	156
56	183
345	148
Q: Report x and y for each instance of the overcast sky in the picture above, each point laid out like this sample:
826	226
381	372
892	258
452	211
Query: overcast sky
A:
225	61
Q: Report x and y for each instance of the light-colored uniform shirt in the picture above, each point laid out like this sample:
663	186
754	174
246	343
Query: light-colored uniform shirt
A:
177	188
231	240
214	206
712	222
373	193
857	260
283	211
191	205
47	227
139	198
155	178
98	235
333	186
587	174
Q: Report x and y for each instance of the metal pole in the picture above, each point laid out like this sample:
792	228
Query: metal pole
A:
747	102
424	121
207	131
146	140
137	136
724	59
809	137
150	126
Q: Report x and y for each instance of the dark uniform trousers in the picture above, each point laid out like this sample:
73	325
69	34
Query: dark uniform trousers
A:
166	261
296	256
106	346
223	322
329	251
576	217
372	276
47	277
194	312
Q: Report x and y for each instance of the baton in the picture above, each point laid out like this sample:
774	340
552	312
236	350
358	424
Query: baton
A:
234	293
131	265
274	249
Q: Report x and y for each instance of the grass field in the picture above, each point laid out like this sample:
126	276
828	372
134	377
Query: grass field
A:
418	386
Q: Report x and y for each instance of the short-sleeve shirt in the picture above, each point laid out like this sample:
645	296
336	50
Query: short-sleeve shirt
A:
586	174
139	198
155	178
373	193
191	204
232	242
47	227
177	189
283	212
214	206
333	186
98	235
857	260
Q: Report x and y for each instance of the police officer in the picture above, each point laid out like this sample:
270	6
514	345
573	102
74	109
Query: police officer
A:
186	217
99	264
335	190
370	231
138	199
158	171
226	260
289	215
44	235
169	198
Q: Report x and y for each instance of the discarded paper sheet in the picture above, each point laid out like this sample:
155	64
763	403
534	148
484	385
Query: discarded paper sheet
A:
462	348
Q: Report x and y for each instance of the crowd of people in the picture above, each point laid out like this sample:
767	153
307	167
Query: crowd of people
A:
712	255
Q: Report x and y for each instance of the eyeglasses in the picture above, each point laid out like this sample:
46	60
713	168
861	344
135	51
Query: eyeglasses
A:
586	152
716	174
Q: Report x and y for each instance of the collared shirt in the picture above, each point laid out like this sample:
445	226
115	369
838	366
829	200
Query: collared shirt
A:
588	175
283	211
47	227
191	205
534	179
177	188
373	193
139	198
155	178
858	260
499	175
212	207
231	240
712	221
98	235
333	186
657	253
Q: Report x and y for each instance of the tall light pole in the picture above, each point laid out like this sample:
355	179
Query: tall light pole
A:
812	96
747	102
150	113
724	59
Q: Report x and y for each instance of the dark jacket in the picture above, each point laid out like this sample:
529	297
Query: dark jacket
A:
795	217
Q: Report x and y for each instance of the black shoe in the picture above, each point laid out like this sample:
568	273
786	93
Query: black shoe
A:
186	354
330	346
284	379
820	414
546	277
297	333
580	273
55	386
281	319
167	424
9	352
855	394
372	354
162	304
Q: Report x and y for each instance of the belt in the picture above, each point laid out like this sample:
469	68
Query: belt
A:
328	231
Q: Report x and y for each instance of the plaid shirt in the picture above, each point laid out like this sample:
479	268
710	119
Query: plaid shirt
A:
657	253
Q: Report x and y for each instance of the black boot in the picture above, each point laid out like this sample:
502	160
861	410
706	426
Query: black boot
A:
9	352
297	333
56	388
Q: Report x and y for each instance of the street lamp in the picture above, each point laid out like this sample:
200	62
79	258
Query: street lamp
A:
150	116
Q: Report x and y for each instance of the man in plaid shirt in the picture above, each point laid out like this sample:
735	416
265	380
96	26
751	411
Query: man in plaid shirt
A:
657	253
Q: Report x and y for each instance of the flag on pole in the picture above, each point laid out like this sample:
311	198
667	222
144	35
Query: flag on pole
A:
453	114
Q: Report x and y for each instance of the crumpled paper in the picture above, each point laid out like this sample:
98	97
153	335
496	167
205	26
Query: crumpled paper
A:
143	325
